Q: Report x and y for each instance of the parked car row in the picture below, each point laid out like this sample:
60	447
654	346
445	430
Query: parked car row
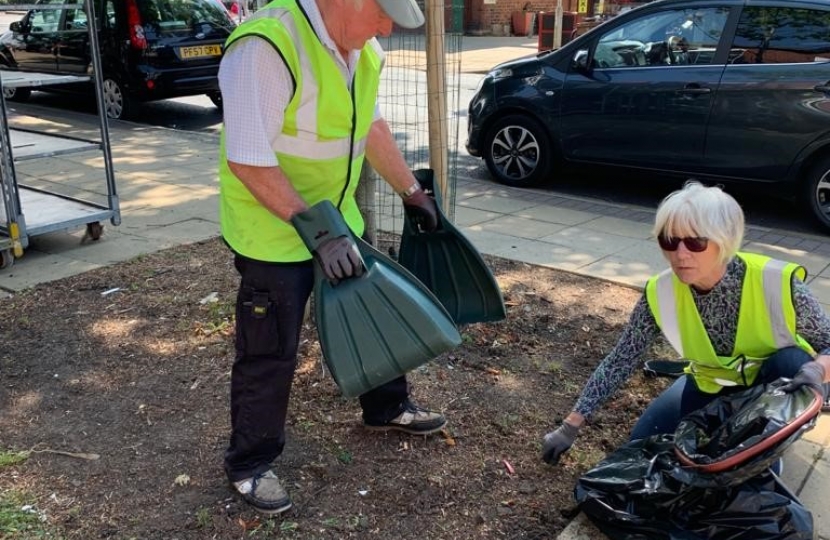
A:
731	90
150	49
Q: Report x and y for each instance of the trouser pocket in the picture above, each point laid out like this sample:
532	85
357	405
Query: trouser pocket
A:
257	323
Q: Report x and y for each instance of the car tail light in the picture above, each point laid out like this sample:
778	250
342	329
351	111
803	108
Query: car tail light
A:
137	39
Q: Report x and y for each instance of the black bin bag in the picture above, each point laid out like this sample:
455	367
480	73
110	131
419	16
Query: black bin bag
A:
710	480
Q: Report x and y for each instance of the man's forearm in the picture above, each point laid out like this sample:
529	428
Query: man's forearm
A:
271	188
386	158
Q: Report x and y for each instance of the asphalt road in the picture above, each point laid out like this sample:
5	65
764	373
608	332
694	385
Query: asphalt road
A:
197	113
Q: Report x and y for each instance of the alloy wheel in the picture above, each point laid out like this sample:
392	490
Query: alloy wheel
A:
821	196
515	152
815	190
16	94
113	99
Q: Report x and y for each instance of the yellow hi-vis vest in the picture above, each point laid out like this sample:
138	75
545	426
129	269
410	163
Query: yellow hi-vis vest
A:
323	140
766	322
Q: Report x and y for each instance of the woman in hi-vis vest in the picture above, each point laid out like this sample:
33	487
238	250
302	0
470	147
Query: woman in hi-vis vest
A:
740	319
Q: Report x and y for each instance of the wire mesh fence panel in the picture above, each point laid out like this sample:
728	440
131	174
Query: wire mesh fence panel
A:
404	100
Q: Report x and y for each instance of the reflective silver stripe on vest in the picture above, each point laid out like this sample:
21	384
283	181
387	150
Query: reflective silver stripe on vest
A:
772	274
304	148
667	309
307	84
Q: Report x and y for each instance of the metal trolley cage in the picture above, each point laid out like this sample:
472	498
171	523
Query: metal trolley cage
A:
27	211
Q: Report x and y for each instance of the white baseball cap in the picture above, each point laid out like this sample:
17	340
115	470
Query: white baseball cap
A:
405	13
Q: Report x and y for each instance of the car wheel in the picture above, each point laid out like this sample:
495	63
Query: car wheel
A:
216	98
116	103
816	194
518	151
16	94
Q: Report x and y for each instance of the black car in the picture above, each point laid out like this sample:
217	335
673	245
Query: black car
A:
730	90
150	49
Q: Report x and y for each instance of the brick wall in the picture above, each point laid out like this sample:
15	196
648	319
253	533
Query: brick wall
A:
483	16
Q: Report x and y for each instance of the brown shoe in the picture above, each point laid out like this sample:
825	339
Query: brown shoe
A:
264	493
413	420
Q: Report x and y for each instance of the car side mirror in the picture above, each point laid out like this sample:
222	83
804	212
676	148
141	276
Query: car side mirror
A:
16	27
580	61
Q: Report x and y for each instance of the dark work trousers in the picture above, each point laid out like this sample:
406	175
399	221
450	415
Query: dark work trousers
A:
663	415
270	306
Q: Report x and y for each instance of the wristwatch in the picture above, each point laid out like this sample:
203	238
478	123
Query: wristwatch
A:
411	190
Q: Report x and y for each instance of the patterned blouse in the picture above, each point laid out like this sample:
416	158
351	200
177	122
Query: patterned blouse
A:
718	310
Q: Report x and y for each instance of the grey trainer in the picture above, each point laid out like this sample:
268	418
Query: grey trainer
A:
264	493
413	420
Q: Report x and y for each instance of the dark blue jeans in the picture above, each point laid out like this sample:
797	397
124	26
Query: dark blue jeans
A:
270	306
664	413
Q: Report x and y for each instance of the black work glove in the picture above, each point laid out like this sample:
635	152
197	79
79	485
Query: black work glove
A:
340	258
558	442
421	208
811	374
326	235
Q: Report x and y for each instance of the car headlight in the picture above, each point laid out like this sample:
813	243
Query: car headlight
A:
496	74
500	73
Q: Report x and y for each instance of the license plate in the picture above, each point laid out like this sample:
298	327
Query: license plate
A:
199	51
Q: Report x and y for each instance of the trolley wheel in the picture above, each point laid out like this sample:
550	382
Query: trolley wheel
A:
94	230
6	258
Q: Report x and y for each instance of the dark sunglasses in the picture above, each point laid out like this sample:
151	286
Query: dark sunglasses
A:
695	244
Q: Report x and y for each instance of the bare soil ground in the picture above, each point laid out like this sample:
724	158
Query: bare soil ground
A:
138	377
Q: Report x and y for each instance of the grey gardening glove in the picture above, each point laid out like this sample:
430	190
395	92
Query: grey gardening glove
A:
340	258
326	235
558	442
811	374
421	208
419	204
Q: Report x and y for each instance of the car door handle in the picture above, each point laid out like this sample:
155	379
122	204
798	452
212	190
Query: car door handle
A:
694	90
823	88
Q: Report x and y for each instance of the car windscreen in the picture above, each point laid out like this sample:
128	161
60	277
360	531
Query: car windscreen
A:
179	18
695	25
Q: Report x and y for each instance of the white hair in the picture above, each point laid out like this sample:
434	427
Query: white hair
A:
698	210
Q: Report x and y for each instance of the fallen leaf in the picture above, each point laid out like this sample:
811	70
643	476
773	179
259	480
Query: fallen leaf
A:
492	371
508	466
248	525
79	455
182	480
210	299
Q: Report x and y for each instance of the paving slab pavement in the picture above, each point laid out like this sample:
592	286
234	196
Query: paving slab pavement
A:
468	54
168	188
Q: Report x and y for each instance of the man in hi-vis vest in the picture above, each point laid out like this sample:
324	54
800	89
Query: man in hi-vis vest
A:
299	83
740	319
